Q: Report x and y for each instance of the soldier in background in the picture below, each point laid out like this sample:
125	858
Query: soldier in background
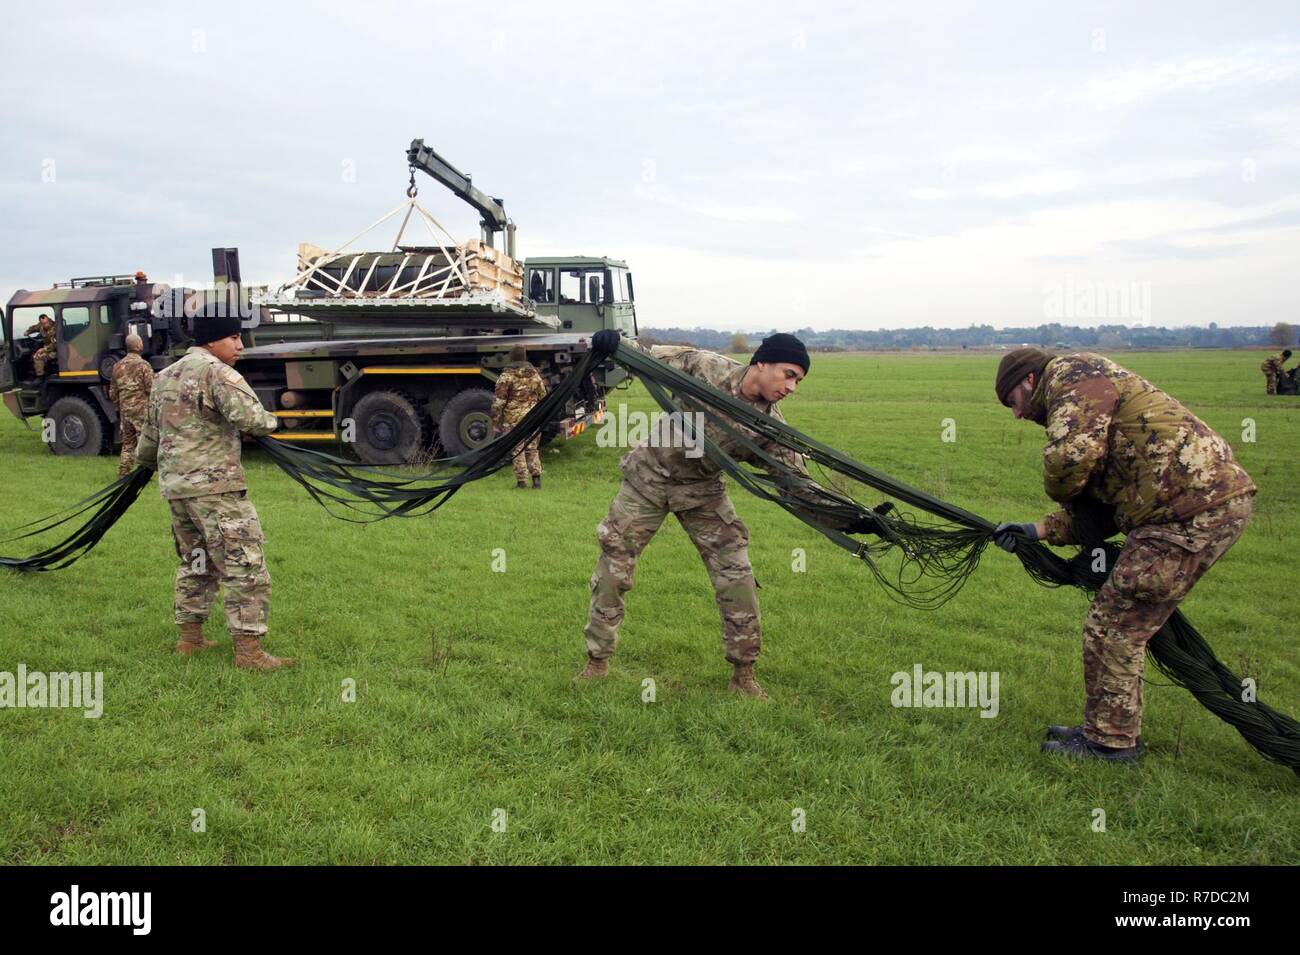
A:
519	389
49	350
1114	439
129	390
1272	369
197	410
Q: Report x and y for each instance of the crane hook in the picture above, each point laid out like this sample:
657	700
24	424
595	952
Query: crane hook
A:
412	190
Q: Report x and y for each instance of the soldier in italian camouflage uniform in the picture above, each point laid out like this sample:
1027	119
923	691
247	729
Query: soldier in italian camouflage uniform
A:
191	436
519	389
1175	489
48	353
1272	369
129	390
663	476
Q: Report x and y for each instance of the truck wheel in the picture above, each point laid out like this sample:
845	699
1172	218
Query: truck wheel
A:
391	428
80	429
466	422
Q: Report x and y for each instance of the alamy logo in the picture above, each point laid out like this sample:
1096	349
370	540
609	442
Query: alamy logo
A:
103	908
1097	300
675	429
923	687
37	690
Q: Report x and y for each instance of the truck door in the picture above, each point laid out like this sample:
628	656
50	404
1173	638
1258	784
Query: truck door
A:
620	313
582	298
541	288
83	336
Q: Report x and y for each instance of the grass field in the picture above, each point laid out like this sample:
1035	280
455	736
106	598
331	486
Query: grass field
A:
465	706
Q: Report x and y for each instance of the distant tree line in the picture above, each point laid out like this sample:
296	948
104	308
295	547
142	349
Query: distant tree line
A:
1052	335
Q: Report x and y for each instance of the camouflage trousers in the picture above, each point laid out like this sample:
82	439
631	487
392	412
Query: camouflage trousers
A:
527	460
46	354
1270	386
130	435
718	534
1156	568
219	543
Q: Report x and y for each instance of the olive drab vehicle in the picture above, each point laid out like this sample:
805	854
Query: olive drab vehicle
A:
393	355
92	317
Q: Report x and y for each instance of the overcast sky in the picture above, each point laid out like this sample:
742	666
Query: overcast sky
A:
759	165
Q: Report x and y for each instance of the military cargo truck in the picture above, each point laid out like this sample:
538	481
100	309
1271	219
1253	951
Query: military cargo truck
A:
389	391
394	355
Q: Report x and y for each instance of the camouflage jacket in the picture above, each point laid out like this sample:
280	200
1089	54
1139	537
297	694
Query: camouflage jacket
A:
47	333
197	409
519	388
663	458
1119	439
129	390
1272	365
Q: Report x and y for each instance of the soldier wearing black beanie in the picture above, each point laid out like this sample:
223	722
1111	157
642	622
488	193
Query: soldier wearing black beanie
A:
782	347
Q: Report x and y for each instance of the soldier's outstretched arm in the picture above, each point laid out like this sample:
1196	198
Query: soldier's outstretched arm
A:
237	403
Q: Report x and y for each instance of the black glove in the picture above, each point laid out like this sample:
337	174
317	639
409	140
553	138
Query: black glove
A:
863	525
1004	535
870	525
605	341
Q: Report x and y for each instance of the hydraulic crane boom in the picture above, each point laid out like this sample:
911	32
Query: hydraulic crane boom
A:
492	210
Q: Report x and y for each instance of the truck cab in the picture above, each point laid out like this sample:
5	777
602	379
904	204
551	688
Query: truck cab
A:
92	317
584	293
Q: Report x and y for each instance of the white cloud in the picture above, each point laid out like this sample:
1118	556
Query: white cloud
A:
713	209
1042	184
1199	74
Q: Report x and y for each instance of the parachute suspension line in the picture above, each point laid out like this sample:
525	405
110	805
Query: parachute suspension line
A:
950	550
936	553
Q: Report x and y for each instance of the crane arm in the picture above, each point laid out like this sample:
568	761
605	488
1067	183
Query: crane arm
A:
426	160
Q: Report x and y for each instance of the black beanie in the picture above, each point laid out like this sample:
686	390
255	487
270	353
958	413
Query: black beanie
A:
1015	366
782	347
209	329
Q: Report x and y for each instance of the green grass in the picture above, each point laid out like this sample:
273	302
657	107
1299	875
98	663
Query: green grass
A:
465	705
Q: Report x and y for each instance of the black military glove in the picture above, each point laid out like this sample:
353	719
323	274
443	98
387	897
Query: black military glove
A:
863	525
870	524
605	341
1004	535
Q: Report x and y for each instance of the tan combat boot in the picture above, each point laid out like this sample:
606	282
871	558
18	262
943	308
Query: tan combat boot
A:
594	670
742	681
249	654
191	640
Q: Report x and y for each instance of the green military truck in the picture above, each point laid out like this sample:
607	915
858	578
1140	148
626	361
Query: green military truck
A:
390	391
393	355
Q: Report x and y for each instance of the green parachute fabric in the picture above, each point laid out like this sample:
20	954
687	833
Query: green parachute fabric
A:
935	553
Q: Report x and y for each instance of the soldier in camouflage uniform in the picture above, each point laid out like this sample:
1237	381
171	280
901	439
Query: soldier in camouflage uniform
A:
1176	490
48	353
129	390
191	437
1272	369
663	476
519	389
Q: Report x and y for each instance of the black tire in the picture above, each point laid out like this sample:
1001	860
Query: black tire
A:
80	428
466	421
391	428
